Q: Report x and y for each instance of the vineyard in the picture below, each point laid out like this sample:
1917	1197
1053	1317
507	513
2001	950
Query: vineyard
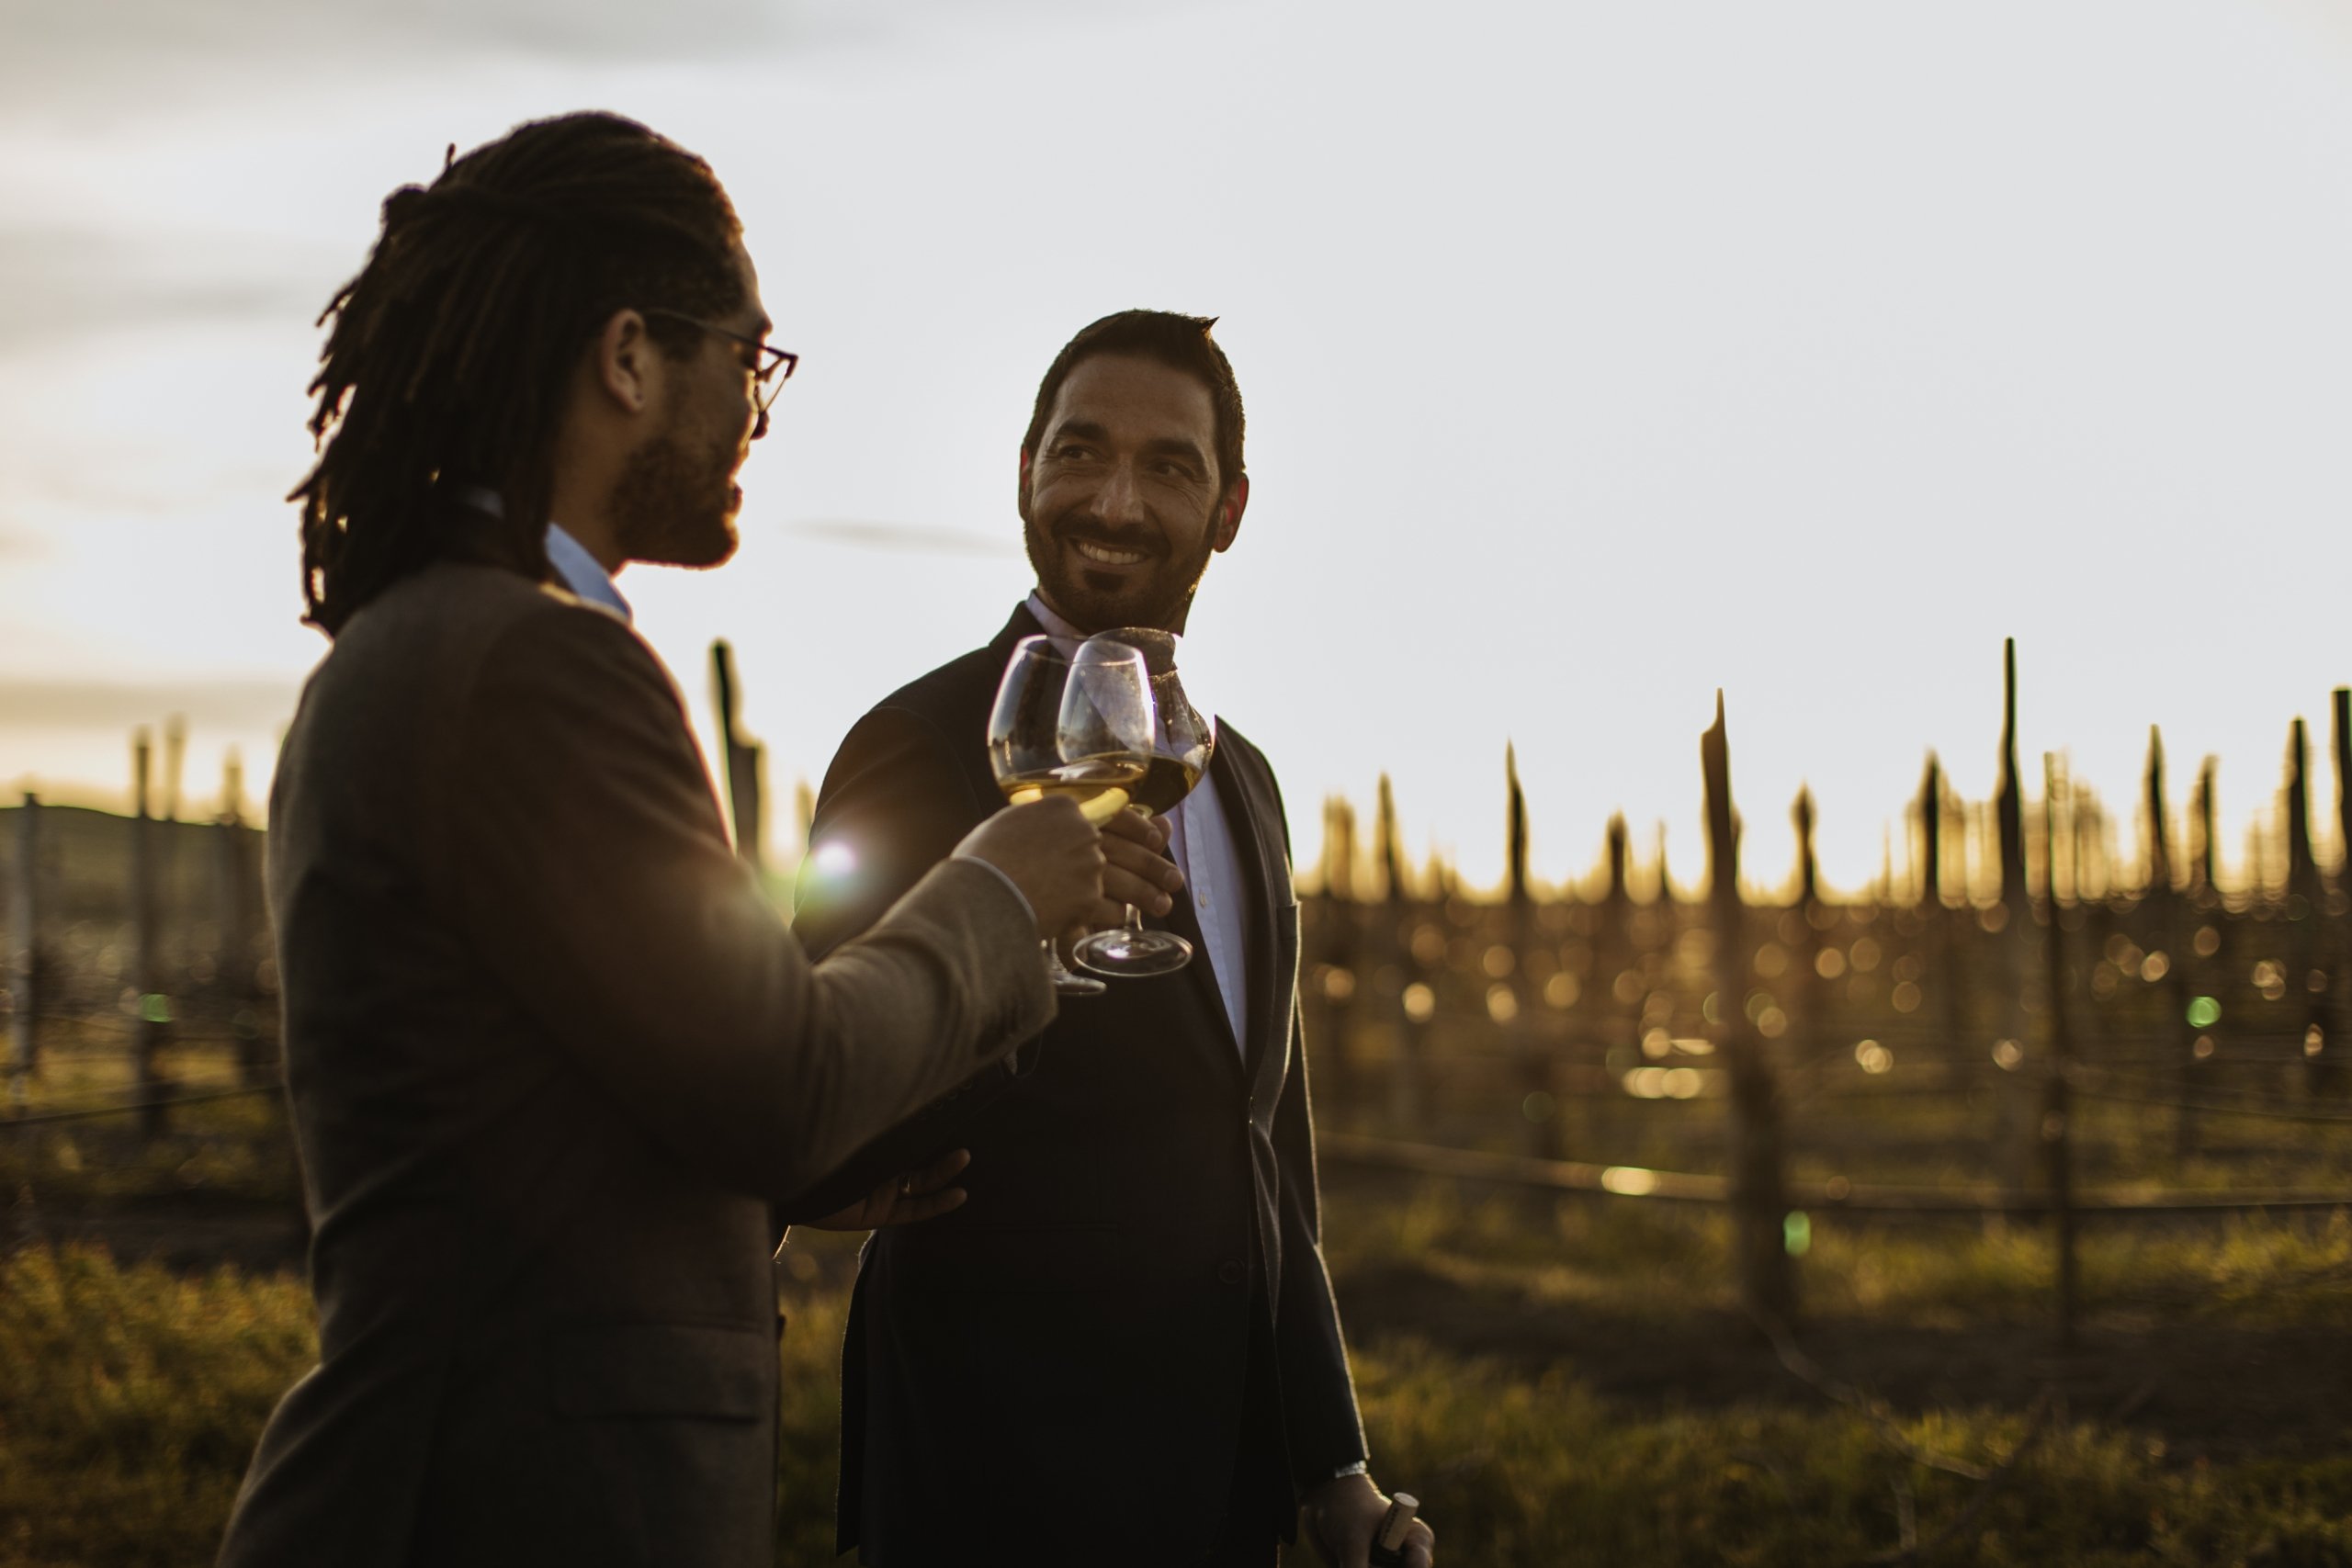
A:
1997	1214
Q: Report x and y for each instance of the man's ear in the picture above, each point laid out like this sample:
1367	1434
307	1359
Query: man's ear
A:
1228	513
627	366
1021	488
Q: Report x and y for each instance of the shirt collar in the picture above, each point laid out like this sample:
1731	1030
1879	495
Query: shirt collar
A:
583	574
1066	637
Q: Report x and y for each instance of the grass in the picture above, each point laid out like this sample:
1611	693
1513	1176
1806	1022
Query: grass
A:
231	1150
130	1397
2253	1270
130	1400
1539	1472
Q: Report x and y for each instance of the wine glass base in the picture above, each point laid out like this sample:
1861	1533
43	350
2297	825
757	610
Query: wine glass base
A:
1064	983
1127	953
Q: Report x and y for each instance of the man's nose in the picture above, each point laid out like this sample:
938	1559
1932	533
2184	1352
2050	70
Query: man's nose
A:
1120	499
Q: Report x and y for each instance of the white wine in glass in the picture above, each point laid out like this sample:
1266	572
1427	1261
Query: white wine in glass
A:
1078	726
1100	784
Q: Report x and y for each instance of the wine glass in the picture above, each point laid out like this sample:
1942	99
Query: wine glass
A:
1078	724
1182	739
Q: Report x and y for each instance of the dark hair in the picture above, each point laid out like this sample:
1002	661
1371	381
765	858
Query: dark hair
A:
1180	342
452	351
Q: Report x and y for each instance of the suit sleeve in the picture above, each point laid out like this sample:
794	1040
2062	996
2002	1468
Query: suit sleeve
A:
590	871
895	801
1319	1416
1319	1392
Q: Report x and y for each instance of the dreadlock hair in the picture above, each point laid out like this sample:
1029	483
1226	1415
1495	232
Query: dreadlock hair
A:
1180	342
452	352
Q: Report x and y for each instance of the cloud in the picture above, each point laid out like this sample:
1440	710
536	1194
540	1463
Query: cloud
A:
58	283
71	705
96	64
901	536
137	55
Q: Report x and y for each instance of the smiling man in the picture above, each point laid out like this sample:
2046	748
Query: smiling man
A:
1123	1346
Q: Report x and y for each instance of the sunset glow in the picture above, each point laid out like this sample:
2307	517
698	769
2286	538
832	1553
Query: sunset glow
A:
1597	358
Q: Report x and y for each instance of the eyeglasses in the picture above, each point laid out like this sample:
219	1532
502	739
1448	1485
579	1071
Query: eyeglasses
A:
772	367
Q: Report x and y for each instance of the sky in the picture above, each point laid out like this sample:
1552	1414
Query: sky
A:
1597	357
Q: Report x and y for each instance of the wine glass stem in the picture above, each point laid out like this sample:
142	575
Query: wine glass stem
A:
1059	974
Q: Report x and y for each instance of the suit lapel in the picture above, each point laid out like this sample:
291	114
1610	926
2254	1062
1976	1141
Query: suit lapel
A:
1269	941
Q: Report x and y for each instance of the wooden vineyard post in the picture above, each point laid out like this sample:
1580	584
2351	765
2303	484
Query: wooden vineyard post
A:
1811	992
167	840
238	900
1946	990
2016	921
24	962
2204	868
1609	1022
2338	924
145	943
2306	903
2169	931
1332	999
1408	1090
1507	998
1613	943
1762	1222
739	754
2057	1111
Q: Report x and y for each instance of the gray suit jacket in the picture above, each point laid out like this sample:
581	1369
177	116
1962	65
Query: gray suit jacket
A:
551	1055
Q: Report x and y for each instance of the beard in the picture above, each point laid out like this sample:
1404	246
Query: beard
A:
1159	594
675	502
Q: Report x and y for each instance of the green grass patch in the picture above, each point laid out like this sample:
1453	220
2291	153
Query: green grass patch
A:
2255	1270
131	1398
1538	1472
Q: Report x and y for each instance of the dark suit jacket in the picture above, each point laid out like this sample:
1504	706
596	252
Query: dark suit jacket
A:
1066	1356
551	1054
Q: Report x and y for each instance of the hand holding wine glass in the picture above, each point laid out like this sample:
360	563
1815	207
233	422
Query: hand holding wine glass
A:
1078	728
1053	854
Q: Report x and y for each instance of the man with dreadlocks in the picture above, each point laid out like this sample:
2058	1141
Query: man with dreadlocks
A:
551	1055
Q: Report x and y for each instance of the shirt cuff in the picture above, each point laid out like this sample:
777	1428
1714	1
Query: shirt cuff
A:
1360	1467
1002	876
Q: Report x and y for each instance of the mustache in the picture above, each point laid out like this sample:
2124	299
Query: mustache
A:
1146	539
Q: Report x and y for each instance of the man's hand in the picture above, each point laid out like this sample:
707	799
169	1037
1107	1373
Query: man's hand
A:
1053	854
1136	869
904	1198
1341	1515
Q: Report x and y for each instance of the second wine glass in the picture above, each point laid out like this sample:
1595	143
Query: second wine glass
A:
1183	738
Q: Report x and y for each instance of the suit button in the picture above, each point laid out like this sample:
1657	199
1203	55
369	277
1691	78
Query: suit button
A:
1230	1271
